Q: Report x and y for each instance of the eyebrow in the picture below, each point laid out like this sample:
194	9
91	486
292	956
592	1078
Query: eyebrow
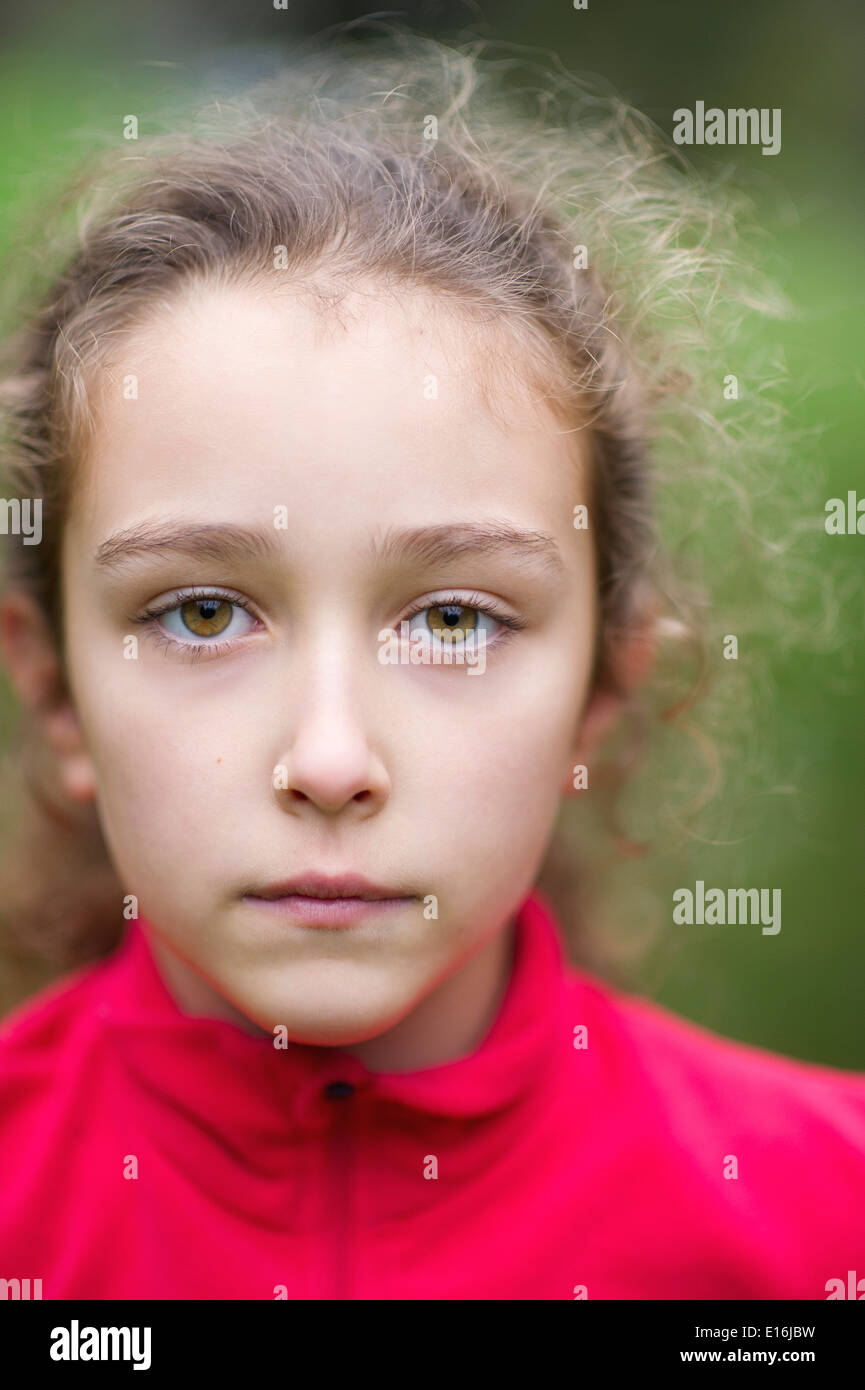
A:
422	544
198	541
433	544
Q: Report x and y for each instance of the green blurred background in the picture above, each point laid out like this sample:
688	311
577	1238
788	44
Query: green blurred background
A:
797	821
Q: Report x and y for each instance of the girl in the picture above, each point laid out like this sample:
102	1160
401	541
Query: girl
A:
337	424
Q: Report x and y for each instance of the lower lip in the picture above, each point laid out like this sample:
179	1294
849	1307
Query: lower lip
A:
328	912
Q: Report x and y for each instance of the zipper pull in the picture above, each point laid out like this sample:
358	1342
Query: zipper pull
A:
338	1090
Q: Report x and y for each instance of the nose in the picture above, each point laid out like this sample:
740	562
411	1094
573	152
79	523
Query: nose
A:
330	762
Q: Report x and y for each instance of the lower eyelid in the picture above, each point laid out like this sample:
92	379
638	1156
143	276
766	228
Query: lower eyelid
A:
163	641
192	651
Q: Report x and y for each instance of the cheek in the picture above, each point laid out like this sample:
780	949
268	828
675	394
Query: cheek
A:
509	772
157	819
527	724
144	723
495	791
159	789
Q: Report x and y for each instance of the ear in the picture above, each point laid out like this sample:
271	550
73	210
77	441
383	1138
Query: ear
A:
630	660
32	661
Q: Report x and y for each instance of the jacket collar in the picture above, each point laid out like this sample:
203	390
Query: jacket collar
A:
207	1064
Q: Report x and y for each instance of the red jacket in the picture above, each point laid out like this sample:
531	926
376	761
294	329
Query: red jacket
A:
148	1154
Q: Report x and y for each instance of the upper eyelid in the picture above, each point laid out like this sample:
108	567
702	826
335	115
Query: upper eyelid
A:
471	601
188	593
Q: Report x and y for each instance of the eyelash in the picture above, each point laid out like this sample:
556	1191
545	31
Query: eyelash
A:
477	604
147	618
191	651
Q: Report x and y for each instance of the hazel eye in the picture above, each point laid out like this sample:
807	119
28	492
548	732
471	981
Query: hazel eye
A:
453	622
206	617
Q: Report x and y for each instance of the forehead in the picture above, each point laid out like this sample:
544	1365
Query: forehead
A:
205	325
229	386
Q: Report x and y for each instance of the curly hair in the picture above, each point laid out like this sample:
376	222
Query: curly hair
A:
550	207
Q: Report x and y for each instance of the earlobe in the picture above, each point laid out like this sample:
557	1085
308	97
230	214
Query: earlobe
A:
79	782
75	770
600	715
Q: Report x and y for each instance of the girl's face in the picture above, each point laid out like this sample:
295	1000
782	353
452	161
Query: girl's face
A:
321	478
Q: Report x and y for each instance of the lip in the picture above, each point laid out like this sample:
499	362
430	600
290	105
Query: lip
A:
322	900
337	886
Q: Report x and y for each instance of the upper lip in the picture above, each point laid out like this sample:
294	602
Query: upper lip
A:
326	886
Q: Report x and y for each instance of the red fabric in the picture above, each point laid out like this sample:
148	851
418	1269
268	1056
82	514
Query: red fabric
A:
557	1167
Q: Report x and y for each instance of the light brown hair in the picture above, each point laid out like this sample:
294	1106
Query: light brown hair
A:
406	162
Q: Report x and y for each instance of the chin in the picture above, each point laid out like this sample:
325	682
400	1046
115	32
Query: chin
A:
321	1025
339	1037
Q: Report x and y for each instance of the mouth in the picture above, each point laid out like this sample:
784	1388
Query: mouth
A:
317	900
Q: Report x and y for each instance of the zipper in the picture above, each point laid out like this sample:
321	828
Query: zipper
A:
340	1094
